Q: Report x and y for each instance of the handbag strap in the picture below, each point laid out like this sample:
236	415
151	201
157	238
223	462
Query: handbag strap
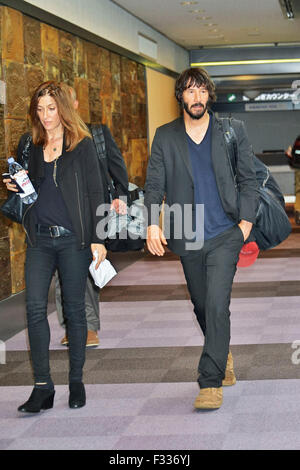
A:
98	137
231	146
25	152
230	141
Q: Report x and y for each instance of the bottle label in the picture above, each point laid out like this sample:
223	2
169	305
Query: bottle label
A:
24	182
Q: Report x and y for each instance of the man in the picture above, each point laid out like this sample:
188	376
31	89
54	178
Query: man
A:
288	153
117	170
189	166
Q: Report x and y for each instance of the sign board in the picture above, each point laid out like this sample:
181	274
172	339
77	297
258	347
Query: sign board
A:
271	106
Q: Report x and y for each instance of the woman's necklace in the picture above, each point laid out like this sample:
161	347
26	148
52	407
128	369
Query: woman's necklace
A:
54	170
54	149
55	140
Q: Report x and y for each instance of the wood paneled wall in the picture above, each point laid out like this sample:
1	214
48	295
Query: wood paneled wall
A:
110	88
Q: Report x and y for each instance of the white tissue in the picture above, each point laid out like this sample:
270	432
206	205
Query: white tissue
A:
104	273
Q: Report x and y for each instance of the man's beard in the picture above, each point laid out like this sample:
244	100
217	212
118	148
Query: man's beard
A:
198	114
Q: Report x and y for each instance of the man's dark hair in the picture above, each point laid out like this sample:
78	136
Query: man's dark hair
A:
194	77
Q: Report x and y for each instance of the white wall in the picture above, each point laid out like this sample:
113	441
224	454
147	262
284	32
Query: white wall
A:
161	101
107	20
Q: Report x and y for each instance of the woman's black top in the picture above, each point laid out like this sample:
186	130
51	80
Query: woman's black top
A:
50	208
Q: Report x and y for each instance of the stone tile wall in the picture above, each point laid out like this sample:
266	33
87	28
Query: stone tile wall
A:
110	88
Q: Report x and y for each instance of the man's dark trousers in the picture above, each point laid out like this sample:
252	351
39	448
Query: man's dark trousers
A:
209	273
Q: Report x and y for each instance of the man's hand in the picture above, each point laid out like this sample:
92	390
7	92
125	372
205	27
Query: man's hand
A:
156	240
246	228
101	252
119	206
288	151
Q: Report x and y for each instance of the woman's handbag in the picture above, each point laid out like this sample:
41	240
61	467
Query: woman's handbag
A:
14	207
124	232
272	224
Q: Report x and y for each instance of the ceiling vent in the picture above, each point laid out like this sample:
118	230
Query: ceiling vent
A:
147	47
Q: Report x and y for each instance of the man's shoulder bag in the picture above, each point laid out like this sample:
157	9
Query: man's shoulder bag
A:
272	224
14	207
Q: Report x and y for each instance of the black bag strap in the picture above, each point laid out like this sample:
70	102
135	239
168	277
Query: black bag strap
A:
25	152
135	194
230	141
99	141
231	146
98	137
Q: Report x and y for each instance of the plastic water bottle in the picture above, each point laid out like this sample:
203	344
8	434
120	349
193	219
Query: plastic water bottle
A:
20	177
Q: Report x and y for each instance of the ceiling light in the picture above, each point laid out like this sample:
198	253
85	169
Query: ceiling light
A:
216	36
251	94
210	24
188	3
196	11
203	17
245	62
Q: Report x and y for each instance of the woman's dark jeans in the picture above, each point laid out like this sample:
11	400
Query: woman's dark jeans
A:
42	260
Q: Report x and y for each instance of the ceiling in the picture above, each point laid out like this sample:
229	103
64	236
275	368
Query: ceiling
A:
194	24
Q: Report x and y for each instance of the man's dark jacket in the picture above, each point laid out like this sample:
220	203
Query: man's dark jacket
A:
170	175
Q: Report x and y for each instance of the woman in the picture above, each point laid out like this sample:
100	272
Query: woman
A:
61	233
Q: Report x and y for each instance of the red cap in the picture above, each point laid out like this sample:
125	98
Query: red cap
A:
248	254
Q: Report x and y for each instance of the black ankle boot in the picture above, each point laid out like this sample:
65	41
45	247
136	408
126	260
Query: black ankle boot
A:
40	399
77	395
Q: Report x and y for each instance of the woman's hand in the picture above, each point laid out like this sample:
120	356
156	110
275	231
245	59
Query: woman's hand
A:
10	185
101	253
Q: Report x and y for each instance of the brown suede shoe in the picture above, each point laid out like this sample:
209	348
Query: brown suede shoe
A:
92	340
230	378
209	399
64	341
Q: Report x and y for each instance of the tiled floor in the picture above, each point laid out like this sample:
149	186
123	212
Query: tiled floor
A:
255	415
141	383
257	320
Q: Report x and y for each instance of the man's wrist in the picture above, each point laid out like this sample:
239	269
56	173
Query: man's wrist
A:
245	223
